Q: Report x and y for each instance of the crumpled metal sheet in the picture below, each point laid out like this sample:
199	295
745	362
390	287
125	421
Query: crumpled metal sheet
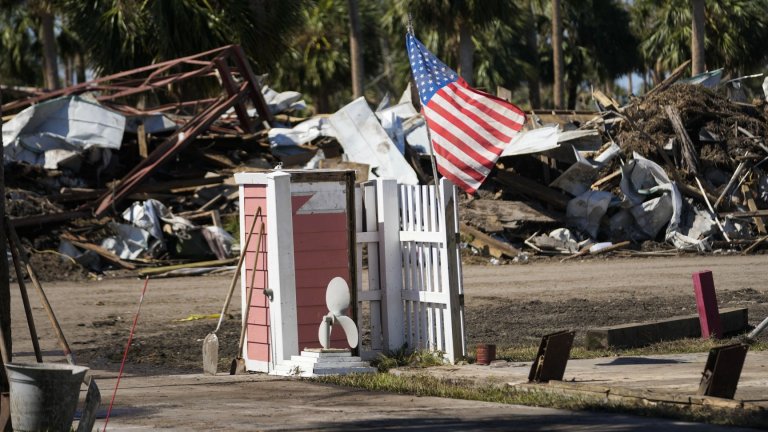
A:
58	130
587	210
365	141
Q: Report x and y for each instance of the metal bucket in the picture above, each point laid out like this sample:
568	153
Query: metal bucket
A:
44	395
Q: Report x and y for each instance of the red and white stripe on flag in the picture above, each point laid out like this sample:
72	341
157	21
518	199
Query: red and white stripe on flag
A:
469	131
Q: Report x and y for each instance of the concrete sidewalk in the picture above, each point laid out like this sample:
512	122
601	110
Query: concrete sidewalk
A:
261	402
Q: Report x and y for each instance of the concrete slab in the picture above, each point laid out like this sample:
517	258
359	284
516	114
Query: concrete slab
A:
262	402
678	373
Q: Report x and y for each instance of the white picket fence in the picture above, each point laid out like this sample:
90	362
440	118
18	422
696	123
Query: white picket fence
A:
413	293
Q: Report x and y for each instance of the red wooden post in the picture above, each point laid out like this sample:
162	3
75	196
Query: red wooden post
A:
706	304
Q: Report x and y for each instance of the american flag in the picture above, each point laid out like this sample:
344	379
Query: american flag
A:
469	128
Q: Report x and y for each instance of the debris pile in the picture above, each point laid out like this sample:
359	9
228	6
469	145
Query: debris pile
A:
683	167
134	171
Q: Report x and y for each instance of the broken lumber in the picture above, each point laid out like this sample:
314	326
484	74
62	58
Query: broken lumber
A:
688	152
671	79
107	255
482	241
158	270
533	189
749	197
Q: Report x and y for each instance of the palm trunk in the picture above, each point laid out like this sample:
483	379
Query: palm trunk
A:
80	68
531	40
557	54
49	50
466	52
573	93
698	65
355	50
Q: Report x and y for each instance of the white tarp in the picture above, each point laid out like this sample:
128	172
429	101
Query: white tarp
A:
61	129
365	141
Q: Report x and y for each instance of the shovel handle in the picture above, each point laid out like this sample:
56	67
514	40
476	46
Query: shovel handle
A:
250	292
24	297
236	276
43	298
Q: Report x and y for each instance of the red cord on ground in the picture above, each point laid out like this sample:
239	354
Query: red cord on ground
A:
125	354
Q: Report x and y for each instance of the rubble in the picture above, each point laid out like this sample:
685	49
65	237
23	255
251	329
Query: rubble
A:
134	171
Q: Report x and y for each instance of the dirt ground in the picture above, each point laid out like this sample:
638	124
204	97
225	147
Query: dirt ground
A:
509	305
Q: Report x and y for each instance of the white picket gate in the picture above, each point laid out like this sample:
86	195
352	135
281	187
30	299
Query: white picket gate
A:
413	293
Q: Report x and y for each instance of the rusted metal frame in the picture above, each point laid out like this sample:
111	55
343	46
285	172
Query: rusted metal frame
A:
228	82
198	63
203	71
257	98
158	84
167	150
90	85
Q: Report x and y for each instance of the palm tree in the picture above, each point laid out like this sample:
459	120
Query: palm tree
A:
557	54
355	50
39	20
20	63
734	34
318	63
464	19
124	35
698	64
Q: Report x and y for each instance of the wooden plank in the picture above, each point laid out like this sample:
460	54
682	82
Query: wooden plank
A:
606	101
496	248
746	214
671	79
214	263
142	138
27	221
107	255
532	189
750	198
687	150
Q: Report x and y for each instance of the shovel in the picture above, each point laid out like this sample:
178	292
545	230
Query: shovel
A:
238	364
211	341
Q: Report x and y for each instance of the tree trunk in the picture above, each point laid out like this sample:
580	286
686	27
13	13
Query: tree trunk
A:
385	54
630	90
67	71
573	93
557	54
80	68
531	41
466	52
698	64
355	50
48	40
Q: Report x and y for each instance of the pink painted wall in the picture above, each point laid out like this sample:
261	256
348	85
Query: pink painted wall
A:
321	252
258	318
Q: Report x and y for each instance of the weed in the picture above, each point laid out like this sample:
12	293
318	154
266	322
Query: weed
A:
405	357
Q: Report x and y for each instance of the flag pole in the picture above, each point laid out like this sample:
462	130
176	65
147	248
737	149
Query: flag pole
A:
409	28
